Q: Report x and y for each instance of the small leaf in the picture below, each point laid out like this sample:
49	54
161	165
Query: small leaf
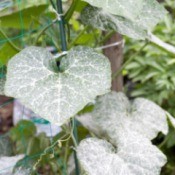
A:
33	77
24	129
134	155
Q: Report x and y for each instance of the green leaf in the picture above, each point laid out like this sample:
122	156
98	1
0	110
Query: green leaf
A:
134	155
33	77
13	20
33	146
107	17
6	52
24	128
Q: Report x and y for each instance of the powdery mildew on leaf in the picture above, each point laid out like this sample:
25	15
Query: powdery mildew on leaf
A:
128	126
114	112
88	122
151	13
128	9
2	84
134	155
33	77
100	19
147	16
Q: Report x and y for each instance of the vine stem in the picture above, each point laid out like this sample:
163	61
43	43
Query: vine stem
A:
62	25
43	31
64	48
9	41
157	41
74	136
71	10
79	35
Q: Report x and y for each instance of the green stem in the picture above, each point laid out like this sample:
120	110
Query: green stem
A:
71	10
79	35
75	141
164	141
107	37
116	74
43	31
53	5
74	135
62	25
9	41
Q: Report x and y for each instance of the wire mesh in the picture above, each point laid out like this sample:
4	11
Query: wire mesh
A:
6	5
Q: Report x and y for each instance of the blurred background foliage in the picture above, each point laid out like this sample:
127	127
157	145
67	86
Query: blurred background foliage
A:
150	74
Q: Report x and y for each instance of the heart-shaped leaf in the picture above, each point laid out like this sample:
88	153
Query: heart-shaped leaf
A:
134	155
129	126
114	112
149	13
33	77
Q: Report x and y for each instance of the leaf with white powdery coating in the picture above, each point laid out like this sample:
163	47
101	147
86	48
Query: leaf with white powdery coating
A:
129	126
114	112
128	9
100	19
100	157
33	77
137	26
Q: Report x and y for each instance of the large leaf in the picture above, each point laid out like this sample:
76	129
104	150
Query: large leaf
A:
134	155
129	9
114	112
106	16
100	19
129	126
33	77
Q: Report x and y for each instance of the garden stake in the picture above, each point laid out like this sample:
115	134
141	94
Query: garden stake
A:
64	48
